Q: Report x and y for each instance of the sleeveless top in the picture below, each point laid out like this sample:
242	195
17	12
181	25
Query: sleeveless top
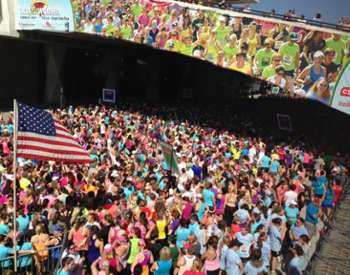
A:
161	225
93	252
211	265
134	250
188	264
314	77
78	237
146	257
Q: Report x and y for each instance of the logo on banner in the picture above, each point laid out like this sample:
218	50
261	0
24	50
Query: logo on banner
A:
39	4
345	91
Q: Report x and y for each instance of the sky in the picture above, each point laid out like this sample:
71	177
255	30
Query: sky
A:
331	10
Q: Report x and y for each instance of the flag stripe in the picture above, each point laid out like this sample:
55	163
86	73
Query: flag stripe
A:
59	127
49	154
39	156
48	139
43	144
49	150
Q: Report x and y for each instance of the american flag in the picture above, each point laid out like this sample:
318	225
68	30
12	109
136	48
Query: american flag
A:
40	136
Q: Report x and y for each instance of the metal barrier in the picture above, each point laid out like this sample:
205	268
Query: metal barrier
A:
327	228
28	263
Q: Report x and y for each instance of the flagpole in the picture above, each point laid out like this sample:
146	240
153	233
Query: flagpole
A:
15	121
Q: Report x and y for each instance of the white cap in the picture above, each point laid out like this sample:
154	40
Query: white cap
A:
318	54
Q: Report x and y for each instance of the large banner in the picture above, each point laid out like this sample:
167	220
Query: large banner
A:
299	60
48	15
341	97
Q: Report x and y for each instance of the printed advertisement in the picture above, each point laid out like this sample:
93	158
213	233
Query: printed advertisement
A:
47	15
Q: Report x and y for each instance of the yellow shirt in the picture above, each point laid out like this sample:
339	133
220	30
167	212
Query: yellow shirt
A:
161	226
246	69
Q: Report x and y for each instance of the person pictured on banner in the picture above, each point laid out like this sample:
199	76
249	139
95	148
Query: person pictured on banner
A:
289	53
312	73
241	65
270	70
263	57
337	44
231	48
320	92
331	67
279	78
313	42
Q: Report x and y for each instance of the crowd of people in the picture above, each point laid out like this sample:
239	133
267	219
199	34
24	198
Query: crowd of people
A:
302	63
239	202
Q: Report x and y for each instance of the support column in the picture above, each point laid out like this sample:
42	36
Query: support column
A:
152	91
55	57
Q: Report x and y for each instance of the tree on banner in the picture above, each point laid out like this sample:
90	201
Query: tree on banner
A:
169	157
341	96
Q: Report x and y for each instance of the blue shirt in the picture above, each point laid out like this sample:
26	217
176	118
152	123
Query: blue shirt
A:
275	239
5	252
265	161
4	229
197	171
25	260
312	211
299	231
233	262
201	211
23	222
128	192
249	269
163	267
298	263
193	227
292	213
328	200
182	234
208	197
274	166
318	187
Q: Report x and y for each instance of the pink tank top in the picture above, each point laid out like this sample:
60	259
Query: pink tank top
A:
211	265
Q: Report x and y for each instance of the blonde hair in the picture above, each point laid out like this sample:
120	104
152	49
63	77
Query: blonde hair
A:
197	265
164	254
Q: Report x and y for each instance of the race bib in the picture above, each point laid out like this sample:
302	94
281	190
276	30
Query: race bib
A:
278	44
287	60
275	90
265	61
244	249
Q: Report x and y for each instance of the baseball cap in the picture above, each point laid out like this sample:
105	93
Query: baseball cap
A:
293	36
318	54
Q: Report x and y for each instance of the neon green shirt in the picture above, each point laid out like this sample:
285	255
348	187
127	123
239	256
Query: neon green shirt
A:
110	29
136	10
289	54
230	52
186	49
263	58
222	33
268	72
126	32
338	47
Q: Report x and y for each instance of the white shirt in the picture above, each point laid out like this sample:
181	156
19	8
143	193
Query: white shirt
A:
290	196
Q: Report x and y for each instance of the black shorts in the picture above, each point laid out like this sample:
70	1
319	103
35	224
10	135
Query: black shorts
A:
275	253
290	73
245	260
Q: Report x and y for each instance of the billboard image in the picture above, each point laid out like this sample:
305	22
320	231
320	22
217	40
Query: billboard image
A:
47	15
299	60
